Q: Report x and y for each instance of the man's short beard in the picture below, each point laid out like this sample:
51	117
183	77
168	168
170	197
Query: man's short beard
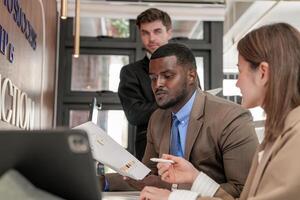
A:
169	104
173	102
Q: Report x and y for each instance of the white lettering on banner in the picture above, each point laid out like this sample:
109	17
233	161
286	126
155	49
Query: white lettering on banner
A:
6	83
20	111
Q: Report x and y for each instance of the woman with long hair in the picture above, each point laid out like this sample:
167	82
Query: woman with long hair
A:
269	76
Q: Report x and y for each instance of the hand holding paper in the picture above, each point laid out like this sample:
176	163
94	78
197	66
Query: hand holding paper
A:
110	153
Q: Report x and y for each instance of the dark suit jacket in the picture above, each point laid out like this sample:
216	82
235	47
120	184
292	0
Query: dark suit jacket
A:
137	99
221	141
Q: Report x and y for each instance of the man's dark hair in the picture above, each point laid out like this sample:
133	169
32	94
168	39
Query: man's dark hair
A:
154	14
183	54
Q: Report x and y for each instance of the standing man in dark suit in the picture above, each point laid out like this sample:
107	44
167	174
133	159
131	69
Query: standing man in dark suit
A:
134	90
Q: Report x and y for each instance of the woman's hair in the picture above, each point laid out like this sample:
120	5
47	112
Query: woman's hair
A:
278	45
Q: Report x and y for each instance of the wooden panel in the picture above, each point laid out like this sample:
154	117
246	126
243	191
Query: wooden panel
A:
32	70
50	64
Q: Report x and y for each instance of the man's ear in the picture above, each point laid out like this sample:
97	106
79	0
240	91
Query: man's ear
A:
264	72
170	33
192	76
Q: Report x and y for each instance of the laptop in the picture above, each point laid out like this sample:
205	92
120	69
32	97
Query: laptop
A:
57	161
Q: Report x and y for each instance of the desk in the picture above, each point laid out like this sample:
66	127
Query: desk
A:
120	195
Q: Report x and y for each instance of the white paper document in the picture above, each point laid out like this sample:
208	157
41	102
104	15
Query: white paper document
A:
107	151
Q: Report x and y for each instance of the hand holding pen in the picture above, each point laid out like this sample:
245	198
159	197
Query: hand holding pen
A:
176	170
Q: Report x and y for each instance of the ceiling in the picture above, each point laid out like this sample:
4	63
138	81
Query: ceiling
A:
168	1
257	14
130	9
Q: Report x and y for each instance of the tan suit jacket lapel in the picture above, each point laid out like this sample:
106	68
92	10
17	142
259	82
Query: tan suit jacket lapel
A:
164	146
248	184
259	169
269	149
195	122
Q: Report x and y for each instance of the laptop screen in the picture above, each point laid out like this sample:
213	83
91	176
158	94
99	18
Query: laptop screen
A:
57	161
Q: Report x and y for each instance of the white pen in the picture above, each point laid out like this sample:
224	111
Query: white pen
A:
161	160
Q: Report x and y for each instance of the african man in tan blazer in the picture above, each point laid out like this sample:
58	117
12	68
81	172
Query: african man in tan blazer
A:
220	140
220	137
269	76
